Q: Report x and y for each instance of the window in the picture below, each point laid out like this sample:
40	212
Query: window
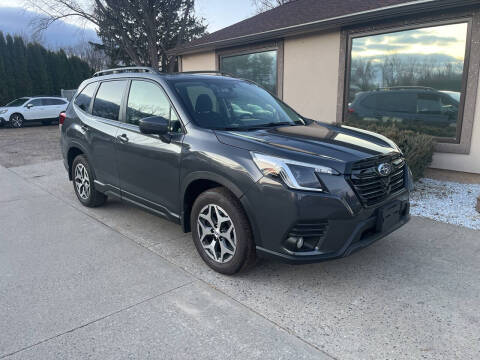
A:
108	99
232	104
260	67
54	102
394	102
83	99
414	78
36	102
147	99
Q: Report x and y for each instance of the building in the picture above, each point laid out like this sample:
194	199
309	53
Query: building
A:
415	63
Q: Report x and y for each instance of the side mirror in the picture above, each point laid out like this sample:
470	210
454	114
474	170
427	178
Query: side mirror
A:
29	106
156	125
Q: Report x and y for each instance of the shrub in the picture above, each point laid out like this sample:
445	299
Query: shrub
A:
417	148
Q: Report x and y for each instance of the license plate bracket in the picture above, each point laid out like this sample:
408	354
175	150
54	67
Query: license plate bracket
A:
388	216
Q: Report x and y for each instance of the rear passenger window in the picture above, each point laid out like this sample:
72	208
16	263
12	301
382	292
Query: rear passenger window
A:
83	99
108	99
54	102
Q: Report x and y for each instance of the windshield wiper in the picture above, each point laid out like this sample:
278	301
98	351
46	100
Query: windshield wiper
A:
272	124
256	127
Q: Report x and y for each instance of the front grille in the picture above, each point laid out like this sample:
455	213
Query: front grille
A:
373	188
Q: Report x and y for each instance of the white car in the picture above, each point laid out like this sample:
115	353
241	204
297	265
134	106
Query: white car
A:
45	109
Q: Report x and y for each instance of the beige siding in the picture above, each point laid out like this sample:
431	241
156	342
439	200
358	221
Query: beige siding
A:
196	62
311	75
468	163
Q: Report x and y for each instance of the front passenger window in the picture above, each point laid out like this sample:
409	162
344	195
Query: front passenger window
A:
36	102
147	99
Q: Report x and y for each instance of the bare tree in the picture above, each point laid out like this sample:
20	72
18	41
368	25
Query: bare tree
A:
93	54
139	32
265	5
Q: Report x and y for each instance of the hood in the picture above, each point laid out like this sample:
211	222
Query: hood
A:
330	143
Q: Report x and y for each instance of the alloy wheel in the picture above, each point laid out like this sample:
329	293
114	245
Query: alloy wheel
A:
16	121
217	233
82	181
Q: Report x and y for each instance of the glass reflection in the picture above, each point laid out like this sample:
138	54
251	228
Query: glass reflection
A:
260	67
411	78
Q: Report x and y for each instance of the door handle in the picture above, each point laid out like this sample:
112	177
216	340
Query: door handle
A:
123	138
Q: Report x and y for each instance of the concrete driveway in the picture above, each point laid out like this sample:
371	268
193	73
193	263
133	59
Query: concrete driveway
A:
116	282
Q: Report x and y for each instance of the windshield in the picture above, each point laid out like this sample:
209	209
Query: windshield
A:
17	102
227	104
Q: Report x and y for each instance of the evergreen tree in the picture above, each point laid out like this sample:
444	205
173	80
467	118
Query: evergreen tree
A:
9	70
28	69
3	75
22	77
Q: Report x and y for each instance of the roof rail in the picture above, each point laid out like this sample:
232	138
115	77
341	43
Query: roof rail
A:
221	73
408	88
129	69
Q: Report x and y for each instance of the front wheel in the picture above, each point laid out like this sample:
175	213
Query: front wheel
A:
16	121
221	231
83	183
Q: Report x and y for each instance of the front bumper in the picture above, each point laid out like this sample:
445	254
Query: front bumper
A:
340	223
2	120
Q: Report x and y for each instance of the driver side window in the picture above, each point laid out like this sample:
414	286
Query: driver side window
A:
147	99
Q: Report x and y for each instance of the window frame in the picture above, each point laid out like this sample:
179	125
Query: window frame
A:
254	49
123	108
461	144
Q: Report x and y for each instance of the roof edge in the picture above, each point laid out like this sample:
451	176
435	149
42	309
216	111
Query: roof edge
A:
412	7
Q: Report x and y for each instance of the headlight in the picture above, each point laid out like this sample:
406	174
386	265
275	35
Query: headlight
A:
296	175
3	111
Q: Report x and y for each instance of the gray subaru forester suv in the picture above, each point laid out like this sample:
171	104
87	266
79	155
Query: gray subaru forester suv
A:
234	165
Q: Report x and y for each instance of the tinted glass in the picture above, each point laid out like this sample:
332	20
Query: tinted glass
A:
148	99
391	101
84	98
37	102
260	67
418	74
108	100
17	102
54	102
232	104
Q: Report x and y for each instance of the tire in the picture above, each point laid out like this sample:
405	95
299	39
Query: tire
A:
225	250
86	193
16	121
46	122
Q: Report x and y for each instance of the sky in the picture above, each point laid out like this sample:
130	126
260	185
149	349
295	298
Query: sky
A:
217	14
444	39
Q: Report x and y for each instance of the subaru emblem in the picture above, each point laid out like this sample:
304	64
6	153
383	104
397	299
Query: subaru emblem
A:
384	169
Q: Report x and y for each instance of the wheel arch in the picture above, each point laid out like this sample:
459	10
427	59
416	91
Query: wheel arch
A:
73	151
194	185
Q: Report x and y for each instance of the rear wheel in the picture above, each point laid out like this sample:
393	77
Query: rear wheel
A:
83	183
16	120
221	231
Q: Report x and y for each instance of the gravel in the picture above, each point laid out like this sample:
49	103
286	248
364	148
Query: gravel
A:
445	201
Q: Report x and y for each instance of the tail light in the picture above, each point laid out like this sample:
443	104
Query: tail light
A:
62	117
